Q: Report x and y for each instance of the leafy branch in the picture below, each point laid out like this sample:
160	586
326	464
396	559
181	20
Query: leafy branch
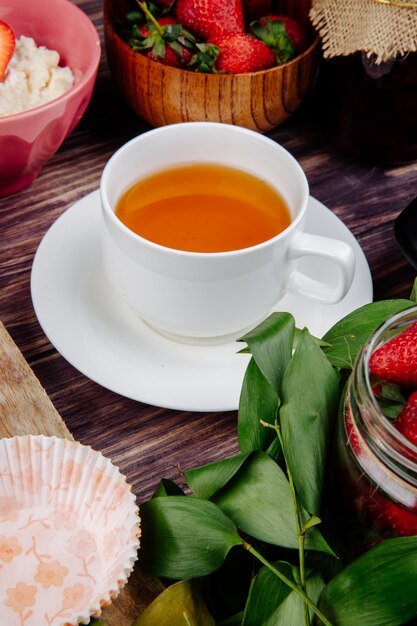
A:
268	500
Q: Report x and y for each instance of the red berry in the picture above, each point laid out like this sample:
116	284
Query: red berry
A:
170	57
294	30
211	18
403	522
351	431
392	516
162	21
162	45
7	46
396	360
283	35
242	53
406	422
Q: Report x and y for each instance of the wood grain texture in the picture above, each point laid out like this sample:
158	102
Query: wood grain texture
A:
25	408
148	442
166	95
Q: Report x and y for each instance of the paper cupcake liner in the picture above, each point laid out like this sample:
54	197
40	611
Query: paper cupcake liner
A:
69	532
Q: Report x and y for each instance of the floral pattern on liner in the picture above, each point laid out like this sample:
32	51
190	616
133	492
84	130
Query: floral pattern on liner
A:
69	532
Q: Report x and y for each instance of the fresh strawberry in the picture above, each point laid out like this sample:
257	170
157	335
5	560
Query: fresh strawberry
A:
396	360
148	29
7	46
211	18
241	53
352	432
163	40
255	9
169	57
294	30
403	522
282	34
390	516
406	422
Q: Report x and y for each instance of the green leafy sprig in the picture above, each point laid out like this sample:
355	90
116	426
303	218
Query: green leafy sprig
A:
271	499
249	546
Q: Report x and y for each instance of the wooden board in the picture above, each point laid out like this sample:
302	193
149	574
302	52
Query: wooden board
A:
26	409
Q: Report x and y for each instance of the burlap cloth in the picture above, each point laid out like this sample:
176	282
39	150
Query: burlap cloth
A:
380	30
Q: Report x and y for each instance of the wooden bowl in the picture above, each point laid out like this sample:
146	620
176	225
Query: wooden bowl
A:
165	95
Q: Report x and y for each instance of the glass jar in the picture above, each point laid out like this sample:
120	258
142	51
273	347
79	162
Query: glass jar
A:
369	109
376	465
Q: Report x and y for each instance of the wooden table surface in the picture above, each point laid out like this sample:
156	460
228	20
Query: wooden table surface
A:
148	442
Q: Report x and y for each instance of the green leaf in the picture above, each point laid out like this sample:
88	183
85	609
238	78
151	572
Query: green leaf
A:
266	594
258	401
167	487
313	521
180	604
271	346
297	334
292	611
205	59
136	34
205	481
135	17
319	342
172	32
349	334
275	36
378	589
314	587
275	451
259	501
310	396
272	603
390	399
184	537
158	49
413	295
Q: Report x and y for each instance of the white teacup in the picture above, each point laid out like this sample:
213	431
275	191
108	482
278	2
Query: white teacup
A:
207	297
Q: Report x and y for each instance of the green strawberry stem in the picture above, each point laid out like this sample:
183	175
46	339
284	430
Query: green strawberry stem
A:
308	602
150	17
205	59
275	36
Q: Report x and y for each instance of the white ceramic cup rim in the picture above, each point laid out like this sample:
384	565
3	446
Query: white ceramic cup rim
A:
110	212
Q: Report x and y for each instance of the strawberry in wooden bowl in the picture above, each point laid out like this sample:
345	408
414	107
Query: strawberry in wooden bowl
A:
243	62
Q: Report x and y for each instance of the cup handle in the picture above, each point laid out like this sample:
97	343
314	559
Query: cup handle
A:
339	252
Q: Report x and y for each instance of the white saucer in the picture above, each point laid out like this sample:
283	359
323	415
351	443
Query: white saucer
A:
105	340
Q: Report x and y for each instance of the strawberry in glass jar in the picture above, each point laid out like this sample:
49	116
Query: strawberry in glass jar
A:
377	439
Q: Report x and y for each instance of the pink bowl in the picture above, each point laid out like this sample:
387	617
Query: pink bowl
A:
30	138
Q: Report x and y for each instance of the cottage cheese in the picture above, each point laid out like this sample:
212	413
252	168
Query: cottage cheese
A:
33	78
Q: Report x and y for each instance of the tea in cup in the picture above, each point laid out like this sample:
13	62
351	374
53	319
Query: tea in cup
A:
203	207
203	227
